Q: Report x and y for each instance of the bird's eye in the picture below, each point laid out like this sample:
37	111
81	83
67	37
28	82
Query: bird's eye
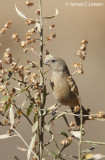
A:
53	60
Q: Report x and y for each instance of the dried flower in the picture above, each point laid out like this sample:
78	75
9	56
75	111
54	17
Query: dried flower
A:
32	49
91	117
28	72
82	52
2	88
7	56
84	42
72	124
51	36
8	24
3	30
37	84
78	67
37	27
30	21
21	74
29	4
33	77
83	47
76	109
13	90
66	141
37	95
25	50
52	27
23	44
4	93
0	64
72	85
1	110
9	131
31	31
33	158
38	102
38	12
3	71
80	71
7	83
19	111
16	38
101	114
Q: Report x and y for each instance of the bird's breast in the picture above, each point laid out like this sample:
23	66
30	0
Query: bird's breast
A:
61	88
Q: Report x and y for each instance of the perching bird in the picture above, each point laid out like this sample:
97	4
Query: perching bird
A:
61	87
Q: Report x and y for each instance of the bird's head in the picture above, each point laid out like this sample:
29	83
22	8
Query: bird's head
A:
55	63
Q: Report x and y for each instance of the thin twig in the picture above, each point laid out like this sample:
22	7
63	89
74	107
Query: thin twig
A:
91	142
80	140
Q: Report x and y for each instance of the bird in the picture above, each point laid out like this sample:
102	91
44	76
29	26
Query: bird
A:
61	88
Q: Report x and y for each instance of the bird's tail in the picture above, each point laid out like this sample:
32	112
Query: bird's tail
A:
77	118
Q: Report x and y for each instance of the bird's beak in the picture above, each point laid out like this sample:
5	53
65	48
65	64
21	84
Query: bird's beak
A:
46	63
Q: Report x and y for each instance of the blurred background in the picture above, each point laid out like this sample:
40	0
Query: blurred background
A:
73	24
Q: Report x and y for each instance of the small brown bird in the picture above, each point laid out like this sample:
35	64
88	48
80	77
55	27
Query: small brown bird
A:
61	87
